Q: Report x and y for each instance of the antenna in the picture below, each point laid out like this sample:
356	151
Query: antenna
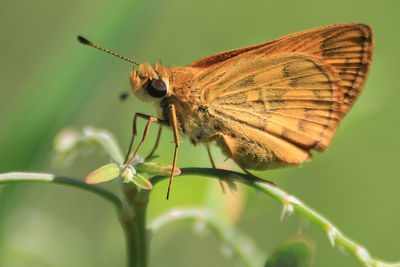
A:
85	41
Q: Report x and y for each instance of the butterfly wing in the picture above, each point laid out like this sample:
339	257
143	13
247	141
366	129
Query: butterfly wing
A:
348	48
289	103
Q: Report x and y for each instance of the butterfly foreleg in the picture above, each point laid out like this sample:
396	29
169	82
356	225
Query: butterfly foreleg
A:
150	155
149	119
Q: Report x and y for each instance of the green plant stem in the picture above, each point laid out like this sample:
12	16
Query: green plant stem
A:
292	204
238	243
133	222
24	177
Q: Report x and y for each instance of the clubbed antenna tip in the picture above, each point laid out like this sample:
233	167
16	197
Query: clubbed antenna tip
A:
83	40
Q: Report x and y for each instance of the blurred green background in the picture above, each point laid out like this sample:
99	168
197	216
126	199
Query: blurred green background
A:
49	81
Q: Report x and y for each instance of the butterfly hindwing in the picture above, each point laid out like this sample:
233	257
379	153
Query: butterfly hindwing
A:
288	102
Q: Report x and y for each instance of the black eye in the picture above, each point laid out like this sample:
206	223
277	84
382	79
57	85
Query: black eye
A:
156	88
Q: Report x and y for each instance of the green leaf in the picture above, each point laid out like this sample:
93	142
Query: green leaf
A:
296	254
103	174
142	182
156	169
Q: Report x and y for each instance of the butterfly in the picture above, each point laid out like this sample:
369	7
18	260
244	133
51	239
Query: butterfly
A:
267	105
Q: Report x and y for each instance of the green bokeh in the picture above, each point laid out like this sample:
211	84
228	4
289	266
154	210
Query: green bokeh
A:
49	81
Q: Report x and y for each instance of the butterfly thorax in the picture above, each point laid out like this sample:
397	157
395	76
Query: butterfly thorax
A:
193	119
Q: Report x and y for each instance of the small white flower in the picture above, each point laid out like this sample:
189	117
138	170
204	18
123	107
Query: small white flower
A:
128	174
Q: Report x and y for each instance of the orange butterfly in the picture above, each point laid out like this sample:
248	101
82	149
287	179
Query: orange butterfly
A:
267	105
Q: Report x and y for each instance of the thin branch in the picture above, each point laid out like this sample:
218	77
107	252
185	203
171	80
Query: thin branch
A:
292	204
24	177
133	221
238	243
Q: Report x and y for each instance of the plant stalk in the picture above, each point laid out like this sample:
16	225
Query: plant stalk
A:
133	222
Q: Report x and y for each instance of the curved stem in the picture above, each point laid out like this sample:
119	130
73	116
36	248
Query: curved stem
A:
133	221
291	204
23	177
238	243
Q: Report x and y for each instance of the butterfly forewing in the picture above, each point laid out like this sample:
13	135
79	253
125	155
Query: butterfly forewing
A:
348	48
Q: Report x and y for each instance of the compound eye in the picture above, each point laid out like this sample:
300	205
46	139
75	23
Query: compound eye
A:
156	88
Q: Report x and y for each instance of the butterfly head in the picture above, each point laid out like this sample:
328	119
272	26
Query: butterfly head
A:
148	83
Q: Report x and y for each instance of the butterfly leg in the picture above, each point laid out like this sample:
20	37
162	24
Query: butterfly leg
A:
174	125
155	144
230	145
149	119
221	182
